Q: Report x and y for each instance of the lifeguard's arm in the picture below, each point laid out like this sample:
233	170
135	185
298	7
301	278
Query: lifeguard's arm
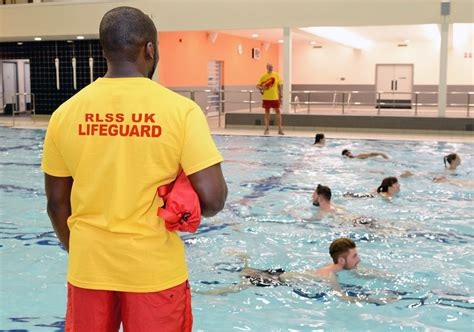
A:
211	188
58	194
280	89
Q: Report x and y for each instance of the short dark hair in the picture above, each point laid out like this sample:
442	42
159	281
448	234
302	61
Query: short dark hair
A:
340	247
124	31
345	151
324	191
318	138
387	182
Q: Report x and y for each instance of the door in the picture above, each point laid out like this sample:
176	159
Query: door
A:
10	85
403	81
214	83
385	74
27	85
395	84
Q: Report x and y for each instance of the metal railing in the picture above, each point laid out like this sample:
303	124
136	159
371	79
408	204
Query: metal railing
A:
343	99
16	108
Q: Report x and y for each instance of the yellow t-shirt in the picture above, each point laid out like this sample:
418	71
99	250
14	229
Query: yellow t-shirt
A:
119	139
270	83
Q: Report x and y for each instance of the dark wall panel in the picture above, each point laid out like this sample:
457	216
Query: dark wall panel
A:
43	72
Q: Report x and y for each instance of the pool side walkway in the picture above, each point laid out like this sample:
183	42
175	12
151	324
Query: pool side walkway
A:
41	122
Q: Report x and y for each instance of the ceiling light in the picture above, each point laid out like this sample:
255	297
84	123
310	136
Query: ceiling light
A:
19	43
463	33
313	43
280	41
37	38
254	35
340	35
407	41
80	37
431	31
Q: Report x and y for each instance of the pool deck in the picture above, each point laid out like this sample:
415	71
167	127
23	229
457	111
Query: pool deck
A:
41	122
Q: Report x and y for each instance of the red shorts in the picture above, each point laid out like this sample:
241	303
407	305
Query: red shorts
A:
267	104
102	311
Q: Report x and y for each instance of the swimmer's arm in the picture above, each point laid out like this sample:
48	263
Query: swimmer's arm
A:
371	154
225	290
371	273
291	277
58	194
296	215
406	174
362	298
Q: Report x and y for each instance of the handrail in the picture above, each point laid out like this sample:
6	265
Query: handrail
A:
344	99
16	107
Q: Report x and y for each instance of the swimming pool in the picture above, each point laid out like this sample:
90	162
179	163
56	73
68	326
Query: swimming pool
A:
427	238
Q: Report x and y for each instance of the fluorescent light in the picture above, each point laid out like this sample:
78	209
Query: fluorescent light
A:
340	35
280	41
80	37
254	35
19	43
431	32
463	33
313	43
37	38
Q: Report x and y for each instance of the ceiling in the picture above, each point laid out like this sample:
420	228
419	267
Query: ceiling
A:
377	34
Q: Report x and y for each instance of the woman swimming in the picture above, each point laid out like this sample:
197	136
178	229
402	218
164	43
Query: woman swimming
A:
389	187
452	161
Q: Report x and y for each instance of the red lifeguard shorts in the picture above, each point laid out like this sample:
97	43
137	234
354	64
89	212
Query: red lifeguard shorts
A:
267	104
90	310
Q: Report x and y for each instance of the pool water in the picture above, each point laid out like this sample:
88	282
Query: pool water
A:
424	237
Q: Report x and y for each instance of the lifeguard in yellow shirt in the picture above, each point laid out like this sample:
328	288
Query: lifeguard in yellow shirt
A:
106	151
270	85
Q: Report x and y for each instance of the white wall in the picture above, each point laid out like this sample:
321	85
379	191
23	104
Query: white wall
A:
328	64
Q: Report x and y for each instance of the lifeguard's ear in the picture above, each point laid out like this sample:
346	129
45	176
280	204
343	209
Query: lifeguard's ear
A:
150	50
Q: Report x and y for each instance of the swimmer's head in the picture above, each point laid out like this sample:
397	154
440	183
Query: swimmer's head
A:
269	67
129	35
452	159
319	139
347	153
389	185
321	194
344	253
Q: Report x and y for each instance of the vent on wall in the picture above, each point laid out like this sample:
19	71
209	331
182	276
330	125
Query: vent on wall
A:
402	45
317	46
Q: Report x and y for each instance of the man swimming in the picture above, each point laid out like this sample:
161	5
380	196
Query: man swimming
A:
322	199
345	257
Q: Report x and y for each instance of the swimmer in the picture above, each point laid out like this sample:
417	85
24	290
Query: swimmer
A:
389	187
322	199
455	182
358	195
345	257
453	160
348	153
319	140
